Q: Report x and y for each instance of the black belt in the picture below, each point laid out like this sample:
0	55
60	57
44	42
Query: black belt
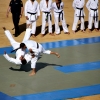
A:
47	16
80	13
60	13
95	17
32	54
37	45
31	13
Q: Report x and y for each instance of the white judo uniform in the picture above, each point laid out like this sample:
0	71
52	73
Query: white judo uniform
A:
46	15
32	11
18	53
79	14
92	6
37	48
15	45
59	16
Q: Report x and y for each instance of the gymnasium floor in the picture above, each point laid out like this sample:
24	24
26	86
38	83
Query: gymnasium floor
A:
75	74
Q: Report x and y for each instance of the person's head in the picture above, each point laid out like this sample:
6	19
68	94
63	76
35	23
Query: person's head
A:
22	46
32	0
58	1
23	61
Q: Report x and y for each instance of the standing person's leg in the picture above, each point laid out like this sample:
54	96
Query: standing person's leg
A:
10	38
90	22
33	29
50	25
43	24
57	29
64	25
16	18
82	24
96	24
75	23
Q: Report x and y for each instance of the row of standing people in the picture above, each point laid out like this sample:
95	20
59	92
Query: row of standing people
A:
92	6
32	13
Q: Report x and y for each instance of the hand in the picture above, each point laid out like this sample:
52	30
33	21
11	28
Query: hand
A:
4	28
31	51
27	18
20	15
5	52
7	15
37	17
21	58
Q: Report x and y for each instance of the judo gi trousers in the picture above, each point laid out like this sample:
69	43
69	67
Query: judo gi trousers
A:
46	19
76	19
14	44
56	20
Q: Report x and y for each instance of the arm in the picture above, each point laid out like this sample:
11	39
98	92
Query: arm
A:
62	5
22	8
98	4
41	5
10	59
38	11
8	10
73	5
88	4
25	10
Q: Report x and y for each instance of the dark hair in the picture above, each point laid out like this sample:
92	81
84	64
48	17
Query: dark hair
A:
21	46
60	1
23	61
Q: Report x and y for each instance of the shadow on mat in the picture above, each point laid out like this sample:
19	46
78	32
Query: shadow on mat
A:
22	28
28	68
41	65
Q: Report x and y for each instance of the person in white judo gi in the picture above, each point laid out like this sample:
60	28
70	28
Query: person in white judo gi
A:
57	7
35	49
46	7
92	6
20	52
79	14
32	13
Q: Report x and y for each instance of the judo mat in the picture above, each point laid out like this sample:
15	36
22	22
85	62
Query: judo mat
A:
75	74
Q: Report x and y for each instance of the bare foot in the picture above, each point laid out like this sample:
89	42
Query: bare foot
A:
74	32
83	31
51	34
67	33
31	74
42	35
33	35
96	30
90	31
58	34
4	28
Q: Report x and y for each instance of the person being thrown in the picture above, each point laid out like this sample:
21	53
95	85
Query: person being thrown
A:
34	48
